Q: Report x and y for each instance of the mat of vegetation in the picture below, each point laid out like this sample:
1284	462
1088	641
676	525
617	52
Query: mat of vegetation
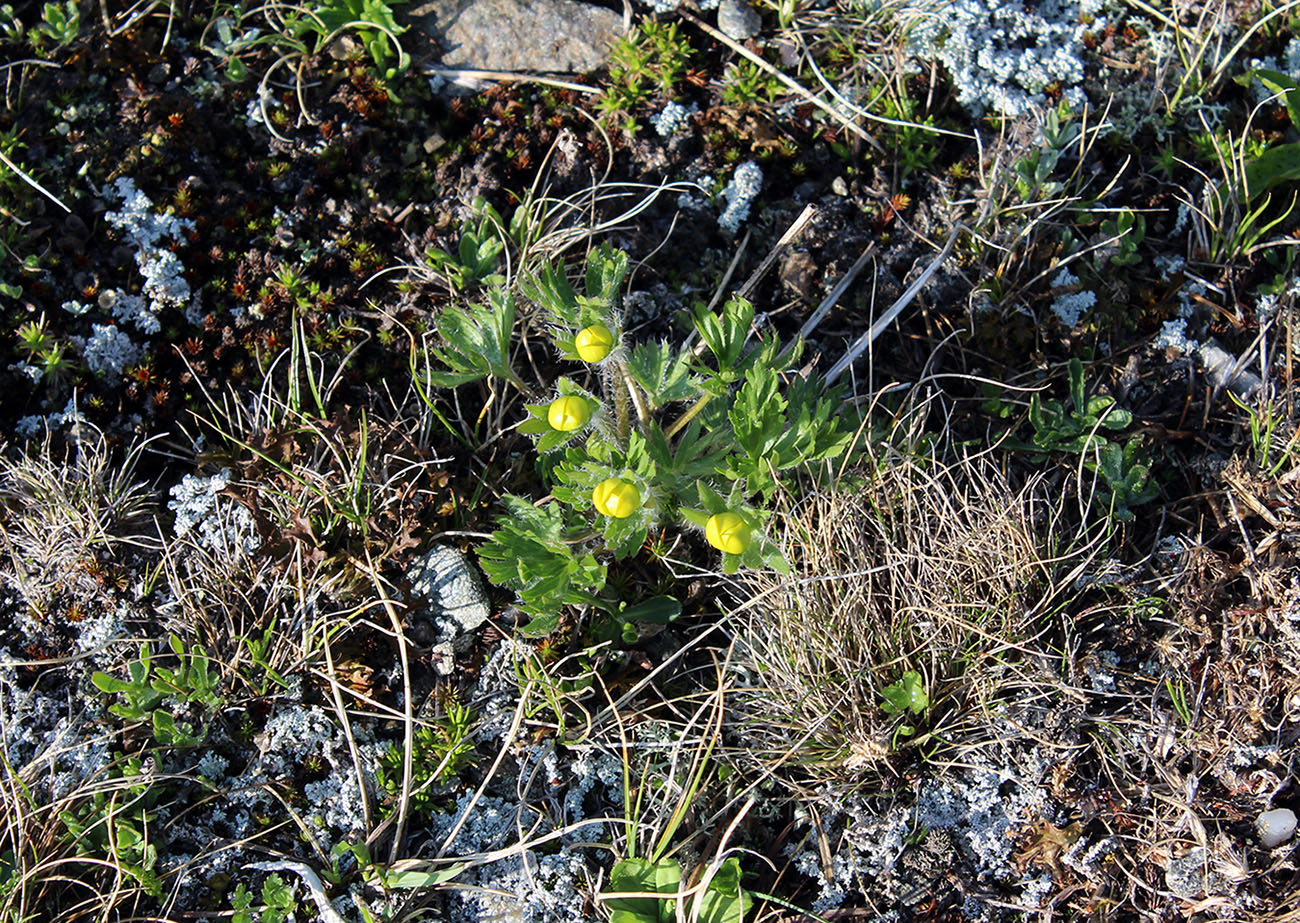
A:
847	473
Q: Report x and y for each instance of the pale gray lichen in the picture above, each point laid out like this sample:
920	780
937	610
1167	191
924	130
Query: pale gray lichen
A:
1004	55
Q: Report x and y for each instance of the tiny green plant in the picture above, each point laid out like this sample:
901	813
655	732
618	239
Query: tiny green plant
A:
441	751
370	20
478	253
1034	171
59	26
145	694
722	900
1129	230
905	696
1268	452
278	903
113	825
652	58
259	649
745	85
1073	429
1126	475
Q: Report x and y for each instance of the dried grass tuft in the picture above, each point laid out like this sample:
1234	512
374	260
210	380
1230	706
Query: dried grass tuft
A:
913	566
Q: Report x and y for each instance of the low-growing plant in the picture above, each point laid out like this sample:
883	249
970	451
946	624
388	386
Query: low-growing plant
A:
1268	452
1126	478
478	253
1058	428
745	85
442	749
721	900
278	903
144	697
1129	230
112	826
617	462
652	58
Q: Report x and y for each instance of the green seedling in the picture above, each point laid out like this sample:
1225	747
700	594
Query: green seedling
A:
478	254
1126	474
60	24
1074	429
145	694
113	826
370	20
652	58
1129	230
441	750
1268	454
906	695
278	903
259	653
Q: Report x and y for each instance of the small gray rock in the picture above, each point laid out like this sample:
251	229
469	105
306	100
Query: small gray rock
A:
556	36
1191	875
453	593
1275	827
738	20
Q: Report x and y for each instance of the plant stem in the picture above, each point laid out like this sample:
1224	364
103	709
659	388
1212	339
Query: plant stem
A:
689	415
642	414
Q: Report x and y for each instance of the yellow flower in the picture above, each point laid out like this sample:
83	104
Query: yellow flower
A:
568	413
616	497
727	532
593	343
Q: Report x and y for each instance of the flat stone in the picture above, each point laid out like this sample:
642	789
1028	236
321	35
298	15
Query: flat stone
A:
546	36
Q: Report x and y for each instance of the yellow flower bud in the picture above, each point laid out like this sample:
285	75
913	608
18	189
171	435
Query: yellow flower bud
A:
568	413
593	343
616	497
727	532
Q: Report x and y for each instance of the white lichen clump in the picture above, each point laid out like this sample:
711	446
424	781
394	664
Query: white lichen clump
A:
109	351
1002	56
219	523
1069	307
740	193
148	232
673	119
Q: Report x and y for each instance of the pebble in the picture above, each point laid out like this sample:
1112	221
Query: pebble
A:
1275	827
738	20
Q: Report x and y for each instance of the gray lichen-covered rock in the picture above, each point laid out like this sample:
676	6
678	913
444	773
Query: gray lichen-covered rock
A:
556	36
738	20
454	602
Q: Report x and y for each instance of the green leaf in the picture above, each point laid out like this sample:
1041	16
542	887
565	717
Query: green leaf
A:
663	374
907	694
529	554
725	901
662	877
725	334
758	413
1278	82
606	269
476	341
1275	166
658	610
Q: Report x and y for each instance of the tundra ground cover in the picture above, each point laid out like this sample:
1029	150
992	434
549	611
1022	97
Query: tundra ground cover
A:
996	619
